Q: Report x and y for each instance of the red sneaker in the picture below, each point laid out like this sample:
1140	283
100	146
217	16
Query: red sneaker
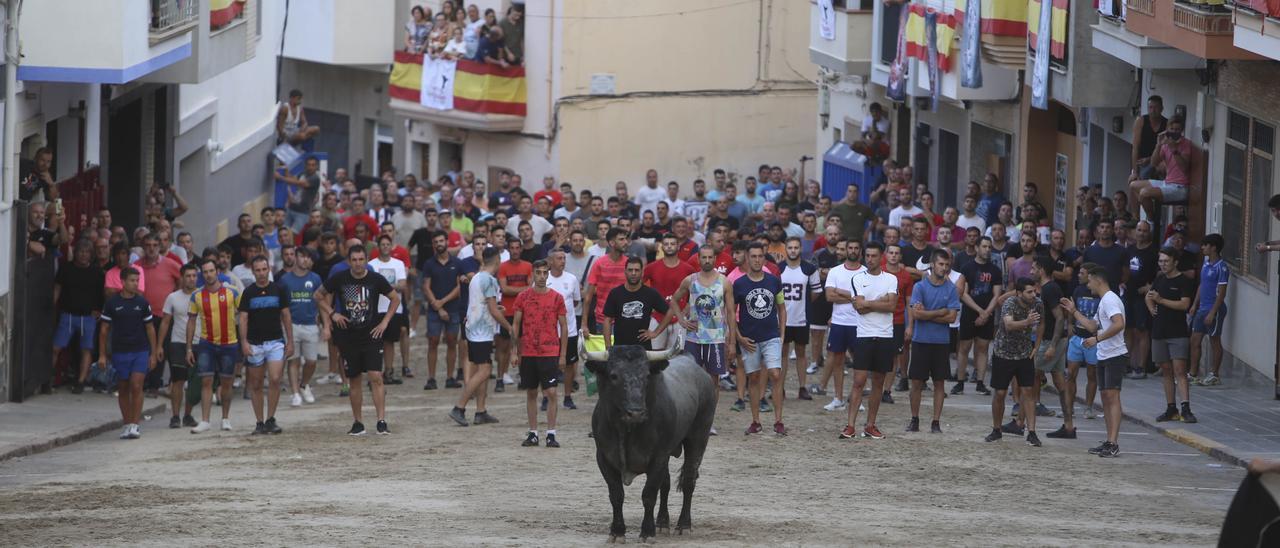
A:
755	428
779	429
849	432
872	432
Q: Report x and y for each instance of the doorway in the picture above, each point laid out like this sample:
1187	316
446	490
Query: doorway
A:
449	159
124	163
383	141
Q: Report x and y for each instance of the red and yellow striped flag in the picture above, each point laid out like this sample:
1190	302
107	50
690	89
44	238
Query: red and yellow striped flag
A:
1058	36
1000	17
918	41
477	87
406	77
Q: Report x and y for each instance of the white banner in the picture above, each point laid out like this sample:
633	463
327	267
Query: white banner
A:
437	83
826	20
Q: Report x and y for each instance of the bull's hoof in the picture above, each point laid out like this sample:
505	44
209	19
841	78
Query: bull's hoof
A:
680	529
617	539
664	530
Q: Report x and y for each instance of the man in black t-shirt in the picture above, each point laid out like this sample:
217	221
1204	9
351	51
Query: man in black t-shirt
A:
628	308
78	296
1142	270
1168	300
264	318
918	252
983	281
359	330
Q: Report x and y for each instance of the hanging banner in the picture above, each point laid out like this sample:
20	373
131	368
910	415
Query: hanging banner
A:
918	39
1040	70
896	90
826	20
971	46
438	78
931	37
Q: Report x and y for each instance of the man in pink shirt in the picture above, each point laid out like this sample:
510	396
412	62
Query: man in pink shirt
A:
1173	157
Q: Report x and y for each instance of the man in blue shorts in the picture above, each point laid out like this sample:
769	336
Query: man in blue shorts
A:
126	324
442	273
1209	309
1087	303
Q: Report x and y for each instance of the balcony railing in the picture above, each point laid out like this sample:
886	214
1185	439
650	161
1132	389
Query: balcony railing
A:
1206	21
1147	7
170	16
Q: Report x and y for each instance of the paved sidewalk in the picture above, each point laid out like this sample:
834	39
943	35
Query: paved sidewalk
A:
44	422
1238	420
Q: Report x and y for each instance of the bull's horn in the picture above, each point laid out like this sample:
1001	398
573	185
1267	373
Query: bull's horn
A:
590	356
676	346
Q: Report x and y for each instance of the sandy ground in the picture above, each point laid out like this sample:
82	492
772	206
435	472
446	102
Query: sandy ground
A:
435	484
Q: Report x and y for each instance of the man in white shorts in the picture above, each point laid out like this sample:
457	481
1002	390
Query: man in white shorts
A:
301	284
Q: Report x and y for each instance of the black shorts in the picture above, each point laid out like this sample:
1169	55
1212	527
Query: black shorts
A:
969	329
899	335
1136	315
873	354
480	352
1110	372
502	331
798	334
392	334
361	357
539	371
955	338
929	361
1004	370
571	351
176	354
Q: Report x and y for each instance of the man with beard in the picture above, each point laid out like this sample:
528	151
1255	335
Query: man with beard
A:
935	303
665	276
711	324
1143	256
759	323
442	288
799	281
629	306
874	295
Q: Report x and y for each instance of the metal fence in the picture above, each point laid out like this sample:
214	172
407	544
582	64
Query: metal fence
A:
168	14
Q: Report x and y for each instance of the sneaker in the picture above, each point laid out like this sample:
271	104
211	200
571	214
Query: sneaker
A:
1032	439
272	427
382	428
1208	380
431	384
357	429
981	389
804	394
543	406
296	401
995	435
764	406
175	422
506	378
1112	450
345	391
886	398
738	405
450	383
483	417
237	383
849	432
1042	411
755	428
1135	374
779	428
815	390
1089	413
1012	427
1187	416
1062	433
727	385
902	385
126	432
259	429
499	386
189	421
812	369
913	425
413	333
958	389
1193	380
551	440
226	424
135	432
713	432
406	372
935	427
201	426
1170	414
459	416
568	403
323	379
1098	450
307	396
394	380
872	432
836	404
530	440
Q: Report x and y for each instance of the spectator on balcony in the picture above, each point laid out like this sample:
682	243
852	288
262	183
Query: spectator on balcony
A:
1172	157
492	49
37	184
1146	132
513	33
457	46
417	30
439	36
41	241
291	122
448	9
471	33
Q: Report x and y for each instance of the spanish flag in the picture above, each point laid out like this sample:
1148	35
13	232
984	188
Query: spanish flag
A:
476	87
918	42
222	12
1000	17
1058	37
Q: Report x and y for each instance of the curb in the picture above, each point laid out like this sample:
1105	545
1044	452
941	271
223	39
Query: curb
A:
1213	449
72	437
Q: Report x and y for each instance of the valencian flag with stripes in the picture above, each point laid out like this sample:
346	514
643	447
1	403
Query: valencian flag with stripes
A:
1058	26
464	85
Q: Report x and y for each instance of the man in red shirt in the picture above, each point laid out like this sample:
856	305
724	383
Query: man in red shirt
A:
724	258
543	334
163	276
688	248
665	277
358	216
548	191
513	277
606	272
397	252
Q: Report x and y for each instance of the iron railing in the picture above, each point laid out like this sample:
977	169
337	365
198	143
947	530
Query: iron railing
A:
167	15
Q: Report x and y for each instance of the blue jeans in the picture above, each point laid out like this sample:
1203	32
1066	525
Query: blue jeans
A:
219	359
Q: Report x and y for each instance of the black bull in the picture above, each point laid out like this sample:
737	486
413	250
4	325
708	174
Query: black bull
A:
653	406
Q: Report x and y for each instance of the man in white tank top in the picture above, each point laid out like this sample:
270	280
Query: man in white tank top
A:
291	122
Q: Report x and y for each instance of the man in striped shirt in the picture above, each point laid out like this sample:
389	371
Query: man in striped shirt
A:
214	307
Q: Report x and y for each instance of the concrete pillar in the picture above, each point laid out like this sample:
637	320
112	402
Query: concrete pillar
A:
93	126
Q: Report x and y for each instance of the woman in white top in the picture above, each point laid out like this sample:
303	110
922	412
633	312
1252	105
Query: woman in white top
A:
417	30
457	48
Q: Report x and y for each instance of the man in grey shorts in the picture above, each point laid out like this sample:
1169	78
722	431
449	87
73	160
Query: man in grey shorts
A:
1168	301
301	283
1113	356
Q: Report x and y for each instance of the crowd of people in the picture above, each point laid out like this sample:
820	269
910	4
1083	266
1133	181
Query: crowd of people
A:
461	33
756	278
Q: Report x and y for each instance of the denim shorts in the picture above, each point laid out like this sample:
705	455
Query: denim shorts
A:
768	355
82	328
269	351
128	363
219	359
437	326
1076	352
1171	192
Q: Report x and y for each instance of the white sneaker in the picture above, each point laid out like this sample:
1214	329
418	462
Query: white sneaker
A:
127	432
307	396
413	333
203	426
334	378
812	369
506	379
1210	380
134	432
237	383
836	404
296	401
226	424
321	380
713	431
1089	414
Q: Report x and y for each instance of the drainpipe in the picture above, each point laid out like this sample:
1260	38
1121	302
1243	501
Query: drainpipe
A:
10	148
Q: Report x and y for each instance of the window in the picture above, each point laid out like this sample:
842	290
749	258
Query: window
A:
1246	184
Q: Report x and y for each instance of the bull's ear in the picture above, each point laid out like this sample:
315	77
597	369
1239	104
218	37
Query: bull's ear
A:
599	369
657	366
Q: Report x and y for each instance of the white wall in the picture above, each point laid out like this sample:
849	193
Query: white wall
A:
116	29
